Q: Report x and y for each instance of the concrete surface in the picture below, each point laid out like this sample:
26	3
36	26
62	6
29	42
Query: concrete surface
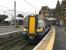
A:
4	29
60	40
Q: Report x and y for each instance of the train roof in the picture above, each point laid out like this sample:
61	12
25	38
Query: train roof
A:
33	15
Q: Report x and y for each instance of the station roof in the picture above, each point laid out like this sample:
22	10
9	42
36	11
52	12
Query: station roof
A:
17	18
50	19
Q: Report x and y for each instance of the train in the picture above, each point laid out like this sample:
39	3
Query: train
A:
34	27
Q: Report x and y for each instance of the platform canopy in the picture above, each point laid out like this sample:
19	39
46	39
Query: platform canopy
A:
17	18
50	19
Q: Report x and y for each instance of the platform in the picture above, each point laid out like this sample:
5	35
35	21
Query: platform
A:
5	29
60	40
47	42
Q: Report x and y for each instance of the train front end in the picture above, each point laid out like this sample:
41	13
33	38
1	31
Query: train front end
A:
33	27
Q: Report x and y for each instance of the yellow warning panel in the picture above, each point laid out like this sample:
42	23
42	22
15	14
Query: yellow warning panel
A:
32	25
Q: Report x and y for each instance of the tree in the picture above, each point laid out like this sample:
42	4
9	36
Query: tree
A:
3	16
20	15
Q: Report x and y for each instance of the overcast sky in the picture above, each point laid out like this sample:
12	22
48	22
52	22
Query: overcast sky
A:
28	5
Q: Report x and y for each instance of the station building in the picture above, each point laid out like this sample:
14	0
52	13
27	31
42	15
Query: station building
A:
58	13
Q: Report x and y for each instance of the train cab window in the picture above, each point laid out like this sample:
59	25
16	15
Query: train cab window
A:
40	23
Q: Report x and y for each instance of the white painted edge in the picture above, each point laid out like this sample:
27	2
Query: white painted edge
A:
42	40
10	32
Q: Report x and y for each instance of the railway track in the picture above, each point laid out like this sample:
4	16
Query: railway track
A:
4	41
20	46
13	42
16	44
28	47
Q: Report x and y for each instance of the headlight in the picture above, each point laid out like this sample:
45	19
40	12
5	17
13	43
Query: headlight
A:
25	30
39	30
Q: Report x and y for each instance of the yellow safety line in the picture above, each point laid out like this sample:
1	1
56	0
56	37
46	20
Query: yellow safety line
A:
51	43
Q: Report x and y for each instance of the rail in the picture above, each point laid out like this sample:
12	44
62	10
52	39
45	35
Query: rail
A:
10	35
11	32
